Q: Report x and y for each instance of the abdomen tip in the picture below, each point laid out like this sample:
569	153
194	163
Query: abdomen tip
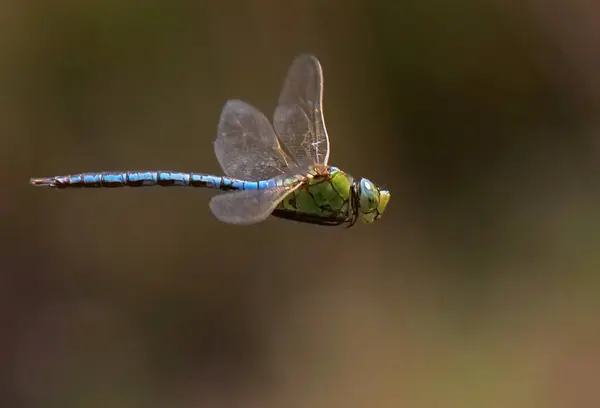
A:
42	182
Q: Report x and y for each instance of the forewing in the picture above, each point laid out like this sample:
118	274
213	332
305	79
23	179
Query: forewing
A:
246	145
249	206
298	118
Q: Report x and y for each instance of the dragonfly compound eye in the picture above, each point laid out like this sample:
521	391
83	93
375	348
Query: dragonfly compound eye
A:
369	196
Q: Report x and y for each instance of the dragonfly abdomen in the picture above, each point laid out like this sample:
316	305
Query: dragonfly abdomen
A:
145	179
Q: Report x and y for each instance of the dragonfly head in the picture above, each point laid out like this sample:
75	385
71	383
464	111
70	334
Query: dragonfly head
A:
372	200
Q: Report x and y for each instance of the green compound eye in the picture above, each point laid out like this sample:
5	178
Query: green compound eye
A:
369	196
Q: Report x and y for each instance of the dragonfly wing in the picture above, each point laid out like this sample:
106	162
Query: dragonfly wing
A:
298	118
249	206
246	145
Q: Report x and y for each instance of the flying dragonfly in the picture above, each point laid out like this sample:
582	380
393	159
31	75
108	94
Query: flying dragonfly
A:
280	170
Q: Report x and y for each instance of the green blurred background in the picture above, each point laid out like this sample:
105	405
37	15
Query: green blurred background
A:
478	288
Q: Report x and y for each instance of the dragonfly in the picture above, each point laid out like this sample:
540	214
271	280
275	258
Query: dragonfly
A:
279	170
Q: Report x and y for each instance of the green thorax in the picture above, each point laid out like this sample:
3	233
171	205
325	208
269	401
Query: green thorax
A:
322	195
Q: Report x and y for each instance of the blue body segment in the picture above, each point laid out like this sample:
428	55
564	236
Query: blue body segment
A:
149	178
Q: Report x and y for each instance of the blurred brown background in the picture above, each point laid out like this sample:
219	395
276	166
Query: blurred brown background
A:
479	287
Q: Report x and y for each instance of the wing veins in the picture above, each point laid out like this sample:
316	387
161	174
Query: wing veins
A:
251	206
298	118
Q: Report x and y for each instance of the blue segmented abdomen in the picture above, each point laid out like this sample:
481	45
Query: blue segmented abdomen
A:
146	179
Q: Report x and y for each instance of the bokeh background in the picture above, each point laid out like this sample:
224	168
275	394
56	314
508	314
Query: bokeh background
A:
478	288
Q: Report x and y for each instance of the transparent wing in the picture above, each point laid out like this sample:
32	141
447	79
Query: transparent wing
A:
249	206
298	118
246	145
